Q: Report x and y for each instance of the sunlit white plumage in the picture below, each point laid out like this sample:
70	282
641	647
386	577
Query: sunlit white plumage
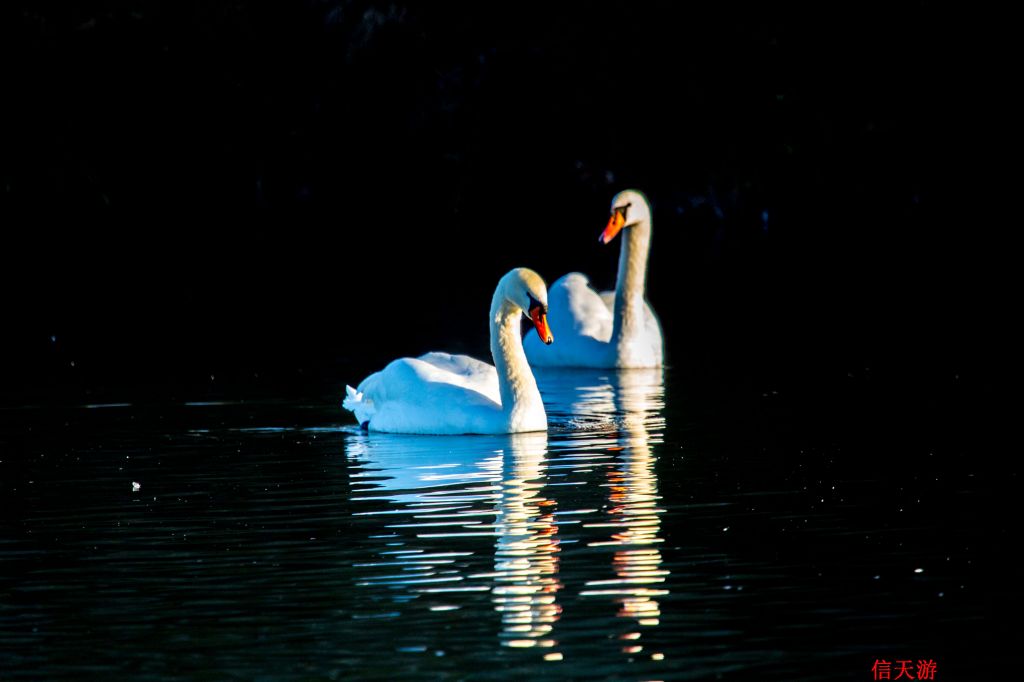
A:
614	328
439	393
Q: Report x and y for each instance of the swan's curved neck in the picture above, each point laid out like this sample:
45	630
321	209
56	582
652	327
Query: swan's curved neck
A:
629	289
519	393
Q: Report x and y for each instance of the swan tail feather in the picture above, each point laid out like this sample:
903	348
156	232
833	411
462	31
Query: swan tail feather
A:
358	404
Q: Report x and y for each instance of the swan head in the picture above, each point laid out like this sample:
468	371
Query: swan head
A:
525	289
629	208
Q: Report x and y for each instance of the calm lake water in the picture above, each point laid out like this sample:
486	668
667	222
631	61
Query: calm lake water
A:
657	531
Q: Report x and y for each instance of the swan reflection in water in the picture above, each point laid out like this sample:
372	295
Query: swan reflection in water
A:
429	501
634	400
445	491
526	548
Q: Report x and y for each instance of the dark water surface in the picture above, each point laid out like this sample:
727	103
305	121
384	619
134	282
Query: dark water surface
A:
655	532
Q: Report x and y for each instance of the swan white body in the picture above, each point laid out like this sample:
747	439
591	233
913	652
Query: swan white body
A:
614	329
439	393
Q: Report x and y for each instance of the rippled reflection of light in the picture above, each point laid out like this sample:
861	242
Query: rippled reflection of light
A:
430	503
633	511
526	551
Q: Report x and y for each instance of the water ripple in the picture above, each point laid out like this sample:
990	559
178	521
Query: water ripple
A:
271	542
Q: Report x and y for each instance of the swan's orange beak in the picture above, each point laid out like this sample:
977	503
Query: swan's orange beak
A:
540	321
615	223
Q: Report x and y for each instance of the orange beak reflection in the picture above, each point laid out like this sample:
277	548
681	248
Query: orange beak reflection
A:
615	223
540	322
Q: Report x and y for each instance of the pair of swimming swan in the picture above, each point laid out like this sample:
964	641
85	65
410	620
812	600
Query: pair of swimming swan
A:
439	393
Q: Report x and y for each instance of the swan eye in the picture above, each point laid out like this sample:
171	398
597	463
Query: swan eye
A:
623	210
534	304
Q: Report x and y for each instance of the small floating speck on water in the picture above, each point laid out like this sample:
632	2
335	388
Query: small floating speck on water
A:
136	486
918	570
553	656
657	657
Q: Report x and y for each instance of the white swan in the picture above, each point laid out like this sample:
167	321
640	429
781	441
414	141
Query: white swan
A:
441	393
615	328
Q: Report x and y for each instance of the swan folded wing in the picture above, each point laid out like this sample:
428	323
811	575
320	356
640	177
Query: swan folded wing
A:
580	322
462	370
583	310
407	378
424	395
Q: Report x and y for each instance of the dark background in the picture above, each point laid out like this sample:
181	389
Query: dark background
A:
252	197
260	200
